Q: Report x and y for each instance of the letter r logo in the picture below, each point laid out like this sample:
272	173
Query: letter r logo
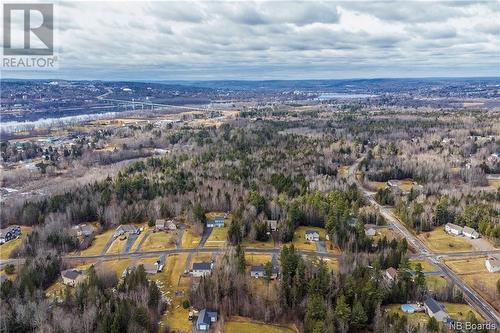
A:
43	31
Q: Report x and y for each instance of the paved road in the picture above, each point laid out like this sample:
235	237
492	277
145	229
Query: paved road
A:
422	250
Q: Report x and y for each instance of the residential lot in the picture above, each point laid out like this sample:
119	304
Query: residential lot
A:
245	325
301	243
440	241
217	238
473	271
7	248
159	241
98	244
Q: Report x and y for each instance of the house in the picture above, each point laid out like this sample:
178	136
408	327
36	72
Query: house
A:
205	319
216	222
470	232
170	225
391	274
160	263
148	268
72	277
9	233
160	224
202	269
260	272
393	183
493	264
272	225
312	235
83	230
370	229
453	229
435	309
126	229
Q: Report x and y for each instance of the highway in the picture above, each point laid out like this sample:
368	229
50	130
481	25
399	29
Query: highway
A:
474	299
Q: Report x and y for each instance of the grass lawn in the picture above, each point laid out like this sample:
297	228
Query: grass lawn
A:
170	281
377	185
406	185
117	266
332	264
56	290
381	232
486	285
435	282
416	318
301	243
98	243
189	239
256	244
343	171
201	256
138	241
117	246
158	241
460	311
468	265
254	259
438	240
217	238
426	266
495	183
7	248
246	325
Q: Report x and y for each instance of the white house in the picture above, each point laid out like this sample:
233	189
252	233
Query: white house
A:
370	229
312	235
9	233
470	232
435	309
493	264
453	229
127	229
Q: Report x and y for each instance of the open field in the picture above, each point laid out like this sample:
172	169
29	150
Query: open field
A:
439	241
426	266
117	246
98	243
254	259
246	325
377	185
495	183
189	239
468	265
301	243
217	238
170	281
435	282
159	240
261	245
474	273
385	232
406	185
7	248
117	266
201	256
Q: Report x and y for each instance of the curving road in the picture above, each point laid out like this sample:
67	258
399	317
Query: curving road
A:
474	299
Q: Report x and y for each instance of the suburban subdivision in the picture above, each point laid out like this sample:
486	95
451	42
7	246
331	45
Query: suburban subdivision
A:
277	209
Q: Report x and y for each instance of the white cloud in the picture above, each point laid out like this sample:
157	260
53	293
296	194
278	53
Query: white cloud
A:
217	40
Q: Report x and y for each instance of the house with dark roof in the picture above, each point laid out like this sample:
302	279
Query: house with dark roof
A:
202	269
205	319
9	233
72	277
260	272
126	229
83	230
435	309
391	274
312	235
216	222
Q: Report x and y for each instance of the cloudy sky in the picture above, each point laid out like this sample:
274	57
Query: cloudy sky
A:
275	40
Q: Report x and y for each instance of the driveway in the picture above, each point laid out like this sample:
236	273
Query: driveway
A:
130	241
321	247
142	241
